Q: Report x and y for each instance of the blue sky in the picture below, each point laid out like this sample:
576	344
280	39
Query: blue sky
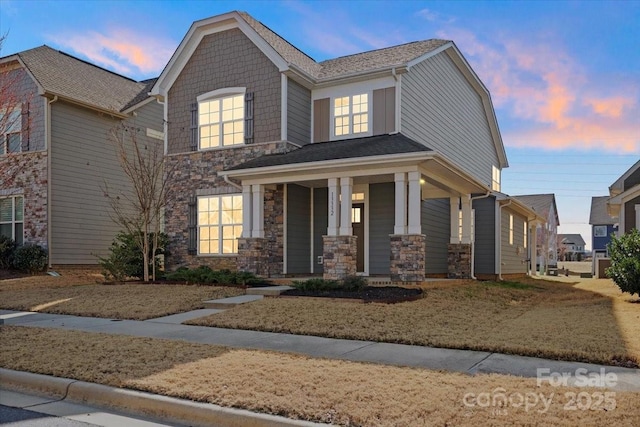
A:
564	76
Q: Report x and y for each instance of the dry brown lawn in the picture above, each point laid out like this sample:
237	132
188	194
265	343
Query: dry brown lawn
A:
589	322
341	392
83	294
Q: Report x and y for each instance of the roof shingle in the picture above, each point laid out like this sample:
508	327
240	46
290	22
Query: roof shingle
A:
598	214
380	145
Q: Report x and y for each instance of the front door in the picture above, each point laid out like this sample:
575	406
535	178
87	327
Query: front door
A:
357	222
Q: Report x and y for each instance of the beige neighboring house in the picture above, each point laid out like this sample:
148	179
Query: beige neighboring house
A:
60	156
365	164
547	232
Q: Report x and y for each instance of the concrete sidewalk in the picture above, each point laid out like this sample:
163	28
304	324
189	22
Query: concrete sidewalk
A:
470	362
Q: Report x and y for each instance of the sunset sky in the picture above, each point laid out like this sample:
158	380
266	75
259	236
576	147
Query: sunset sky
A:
564	76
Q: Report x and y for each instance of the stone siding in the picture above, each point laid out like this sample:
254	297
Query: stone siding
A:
340	256
459	261
25	174
408	256
195	174
253	255
223	60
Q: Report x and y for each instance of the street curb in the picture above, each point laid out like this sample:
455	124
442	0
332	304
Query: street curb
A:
141	403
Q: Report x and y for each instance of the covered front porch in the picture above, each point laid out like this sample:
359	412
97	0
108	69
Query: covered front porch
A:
404	215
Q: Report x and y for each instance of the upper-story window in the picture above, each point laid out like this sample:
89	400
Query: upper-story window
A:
11	128
221	118
495	179
351	114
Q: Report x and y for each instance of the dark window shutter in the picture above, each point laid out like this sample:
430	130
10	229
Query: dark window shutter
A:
321	120
192	248
248	118
194	126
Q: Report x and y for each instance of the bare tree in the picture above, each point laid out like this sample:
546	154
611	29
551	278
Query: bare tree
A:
138	209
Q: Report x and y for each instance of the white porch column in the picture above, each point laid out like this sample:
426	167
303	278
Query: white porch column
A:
346	188
401	203
466	218
454	202
247	217
415	198
334	207
258	210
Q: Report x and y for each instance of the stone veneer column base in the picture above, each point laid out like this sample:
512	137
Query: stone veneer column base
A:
253	256
408	253
340	255
459	261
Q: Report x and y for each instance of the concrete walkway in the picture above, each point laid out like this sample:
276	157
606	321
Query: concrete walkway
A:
470	362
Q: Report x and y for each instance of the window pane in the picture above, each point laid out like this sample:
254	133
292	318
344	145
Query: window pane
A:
6	230
18	212
18	236
6	209
14	143
204	247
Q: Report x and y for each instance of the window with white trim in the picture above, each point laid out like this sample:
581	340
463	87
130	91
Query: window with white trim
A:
525	231
221	121
495	178
12	218
219	224
351	114
11	137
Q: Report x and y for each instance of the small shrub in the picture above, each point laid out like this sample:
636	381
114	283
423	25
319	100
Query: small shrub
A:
126	260
7	248
204	275
354	283
625	262
29	259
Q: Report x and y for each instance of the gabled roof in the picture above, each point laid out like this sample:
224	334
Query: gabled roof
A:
619	186
599	214
571	239
70	78
540	203
380	145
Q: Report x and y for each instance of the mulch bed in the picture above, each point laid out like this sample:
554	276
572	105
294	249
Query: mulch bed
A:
11	274
384	294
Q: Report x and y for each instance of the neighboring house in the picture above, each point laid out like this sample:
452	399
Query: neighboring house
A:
59	158
363	164
624	199
547	231
571	247
603	226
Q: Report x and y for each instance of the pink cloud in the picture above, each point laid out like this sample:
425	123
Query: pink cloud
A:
557	102
122	50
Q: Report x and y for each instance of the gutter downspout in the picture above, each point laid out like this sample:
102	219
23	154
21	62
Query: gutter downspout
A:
473	243
47	112
500	240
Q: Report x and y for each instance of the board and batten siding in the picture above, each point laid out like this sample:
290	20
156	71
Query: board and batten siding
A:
381	222
298	113
82	160
320	224
443	111
435	225
513	255
298	229
485	236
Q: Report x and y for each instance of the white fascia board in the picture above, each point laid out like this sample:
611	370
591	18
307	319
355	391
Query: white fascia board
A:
355	162
359	76
194	36
112	113
624	197
354	88
138	105
617	186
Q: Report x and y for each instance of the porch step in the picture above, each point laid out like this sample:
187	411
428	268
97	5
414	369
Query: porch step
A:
232	301
268	290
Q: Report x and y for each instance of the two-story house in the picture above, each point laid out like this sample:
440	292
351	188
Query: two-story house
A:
363	164
603	226
571	247
59	158
546	230
624	200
